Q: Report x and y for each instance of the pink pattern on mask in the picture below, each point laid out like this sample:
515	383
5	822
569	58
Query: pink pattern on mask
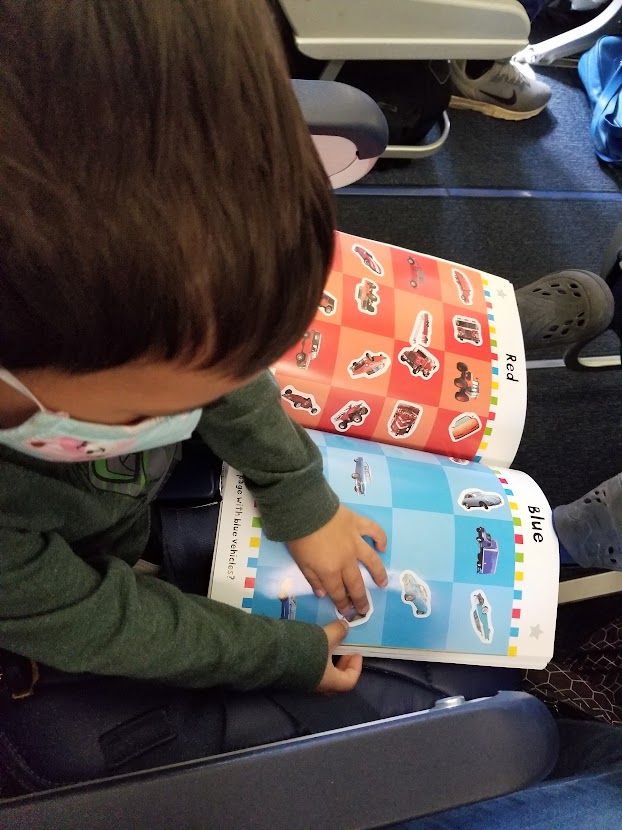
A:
61	448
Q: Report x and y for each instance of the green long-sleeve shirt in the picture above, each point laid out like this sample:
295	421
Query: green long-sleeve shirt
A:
70	533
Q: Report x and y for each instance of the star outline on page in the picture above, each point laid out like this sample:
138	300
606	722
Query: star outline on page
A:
536	631
501	293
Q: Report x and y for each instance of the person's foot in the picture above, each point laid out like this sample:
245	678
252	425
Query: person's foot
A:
590	528
564	309
505	90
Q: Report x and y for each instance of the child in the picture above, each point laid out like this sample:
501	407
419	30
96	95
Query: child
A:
166	231
139	285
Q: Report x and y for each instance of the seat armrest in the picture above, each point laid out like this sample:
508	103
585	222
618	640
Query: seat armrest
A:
358	777
348	127
332	108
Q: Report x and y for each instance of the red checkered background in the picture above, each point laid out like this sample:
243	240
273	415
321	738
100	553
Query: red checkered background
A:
402	284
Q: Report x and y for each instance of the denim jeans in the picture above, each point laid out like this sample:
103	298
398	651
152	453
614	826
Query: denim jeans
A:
584	792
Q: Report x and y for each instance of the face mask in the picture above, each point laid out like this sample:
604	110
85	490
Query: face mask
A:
54	436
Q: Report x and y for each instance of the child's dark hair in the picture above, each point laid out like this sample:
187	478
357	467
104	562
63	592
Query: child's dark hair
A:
159	192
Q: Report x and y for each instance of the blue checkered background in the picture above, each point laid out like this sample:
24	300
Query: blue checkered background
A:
414	496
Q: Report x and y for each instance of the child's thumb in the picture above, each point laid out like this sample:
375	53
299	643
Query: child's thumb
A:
336	632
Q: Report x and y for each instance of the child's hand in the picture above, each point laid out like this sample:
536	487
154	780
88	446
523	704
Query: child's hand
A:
329	559
342	676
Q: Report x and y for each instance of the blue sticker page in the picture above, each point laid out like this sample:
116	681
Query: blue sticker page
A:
472	558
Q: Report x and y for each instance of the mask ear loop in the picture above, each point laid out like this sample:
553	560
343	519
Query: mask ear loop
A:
12	381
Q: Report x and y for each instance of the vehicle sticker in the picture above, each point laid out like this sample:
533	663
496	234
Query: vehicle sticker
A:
404	419
352	616
353	413
367	296
475	499
368	365
421	363
416	594
287	599
300	400
422	330
361	475
464	425
463	286
309	348
368	259
467	385
416	272
467	330
481	617
328	304
487	553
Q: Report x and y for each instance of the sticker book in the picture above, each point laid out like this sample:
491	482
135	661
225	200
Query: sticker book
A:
412	382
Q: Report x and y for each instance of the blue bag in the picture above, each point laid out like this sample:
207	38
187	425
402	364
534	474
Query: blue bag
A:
601	73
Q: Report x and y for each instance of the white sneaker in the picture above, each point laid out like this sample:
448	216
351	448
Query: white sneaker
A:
507	90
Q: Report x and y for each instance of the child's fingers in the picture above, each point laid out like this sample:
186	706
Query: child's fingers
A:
336	632
355	587
348	670
368	528
373	563
336	590
314	581
343	675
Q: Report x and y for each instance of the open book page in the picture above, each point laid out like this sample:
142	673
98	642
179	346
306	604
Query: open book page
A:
411	350
472	558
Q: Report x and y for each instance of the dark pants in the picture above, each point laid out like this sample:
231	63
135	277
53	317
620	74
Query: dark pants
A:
76	728
79	727
533	7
